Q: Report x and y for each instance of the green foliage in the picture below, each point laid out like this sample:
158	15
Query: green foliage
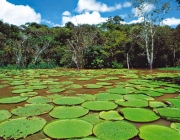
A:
26	126
61	129
139	114
110	115
99	105
32	110
4	114
116	65
68	112
115	130
158	132
14	99
68	101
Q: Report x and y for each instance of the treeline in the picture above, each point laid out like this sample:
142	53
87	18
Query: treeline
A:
107	45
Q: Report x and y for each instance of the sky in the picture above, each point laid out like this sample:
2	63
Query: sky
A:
59	12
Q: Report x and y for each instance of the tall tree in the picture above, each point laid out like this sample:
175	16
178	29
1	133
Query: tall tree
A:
151	13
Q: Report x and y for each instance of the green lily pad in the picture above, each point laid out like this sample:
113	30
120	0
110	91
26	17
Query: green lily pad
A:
118	130
158	132
29	94
110	115
93	86
18	91
137	96
156	104
87	96
55	90
61	129
26	126
99	105
4	114
53	96
119	90
92	118
108	96
132	103
104	83
68	112
68	101
174	102
32	110
14	99
139	114
153	93
169	113
176	126
38	100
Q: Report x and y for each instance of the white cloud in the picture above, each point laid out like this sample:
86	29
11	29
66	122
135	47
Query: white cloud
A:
66	13
139	20
127	4
93	5
145	8
85	18
17	14
171	21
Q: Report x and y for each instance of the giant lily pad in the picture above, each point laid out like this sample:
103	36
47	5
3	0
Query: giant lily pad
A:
4	114
137	96
93	86
72	128
99	105
158	132
108	96
118	130
18	91
132	103
120	91
14	99
176	126
38	100
68	101
110	115
156	104
68	112
169	113
139	114
21	127
32	109
92	118
175	102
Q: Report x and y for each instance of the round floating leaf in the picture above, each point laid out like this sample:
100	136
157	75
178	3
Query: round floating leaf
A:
99	105
110	115
18	91
38	100
68	101
4	114
68	112
29	94
55	90
132	103
158	132
118	130
139	114
32	109
169	113
176	126
137	96
72	128
53	96
14	99
121	91
108	96
87	96
84	79
156	104
74	86
153	93
174	102
21	127
104	83
92	118
93	86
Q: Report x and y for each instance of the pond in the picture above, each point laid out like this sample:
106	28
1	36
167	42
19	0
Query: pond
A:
90	104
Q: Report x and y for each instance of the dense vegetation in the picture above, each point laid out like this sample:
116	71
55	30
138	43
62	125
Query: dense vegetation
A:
107	45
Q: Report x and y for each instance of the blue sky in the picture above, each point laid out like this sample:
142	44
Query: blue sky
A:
58	12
